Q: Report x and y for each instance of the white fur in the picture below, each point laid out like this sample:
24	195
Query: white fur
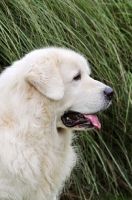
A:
36	156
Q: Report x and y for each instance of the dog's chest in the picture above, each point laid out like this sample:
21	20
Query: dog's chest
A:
37	170
46	165
56	159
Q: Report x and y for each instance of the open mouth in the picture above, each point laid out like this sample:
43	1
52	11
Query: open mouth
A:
78	120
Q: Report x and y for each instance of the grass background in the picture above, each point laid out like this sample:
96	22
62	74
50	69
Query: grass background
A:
101	30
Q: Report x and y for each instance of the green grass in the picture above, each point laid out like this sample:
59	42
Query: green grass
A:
117	198
102	31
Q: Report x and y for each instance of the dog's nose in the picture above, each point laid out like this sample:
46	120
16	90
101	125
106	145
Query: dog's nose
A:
109	92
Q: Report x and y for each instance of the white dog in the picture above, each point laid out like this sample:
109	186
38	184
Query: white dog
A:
43	97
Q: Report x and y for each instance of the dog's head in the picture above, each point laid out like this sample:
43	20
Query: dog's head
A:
63	76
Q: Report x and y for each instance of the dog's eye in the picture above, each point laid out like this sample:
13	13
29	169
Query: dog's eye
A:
78	77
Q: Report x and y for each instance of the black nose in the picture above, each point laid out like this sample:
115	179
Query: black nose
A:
109	92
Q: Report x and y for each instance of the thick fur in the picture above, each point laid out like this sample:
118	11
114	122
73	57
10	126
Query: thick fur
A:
36	156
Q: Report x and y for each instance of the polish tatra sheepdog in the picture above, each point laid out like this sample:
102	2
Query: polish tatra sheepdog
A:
44	97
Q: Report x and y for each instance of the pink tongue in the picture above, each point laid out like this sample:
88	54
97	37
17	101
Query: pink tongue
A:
94	120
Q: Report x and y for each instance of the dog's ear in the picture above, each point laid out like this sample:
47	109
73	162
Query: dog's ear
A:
45	77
